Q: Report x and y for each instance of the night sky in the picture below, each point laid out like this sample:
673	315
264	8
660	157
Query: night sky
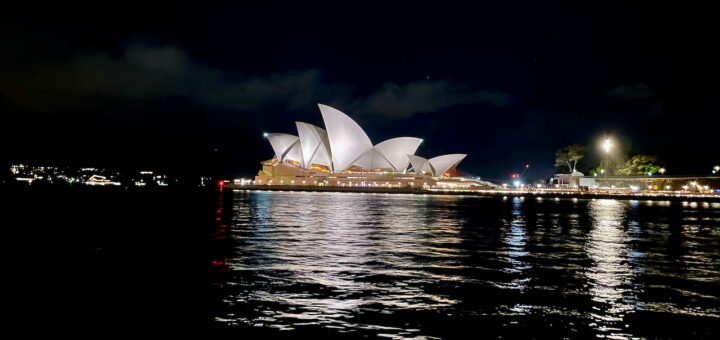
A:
191	88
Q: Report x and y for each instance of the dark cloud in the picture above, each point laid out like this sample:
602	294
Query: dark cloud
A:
89	80
634	91
403	101
144	72
288	90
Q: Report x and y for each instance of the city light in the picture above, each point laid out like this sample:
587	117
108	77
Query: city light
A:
662	171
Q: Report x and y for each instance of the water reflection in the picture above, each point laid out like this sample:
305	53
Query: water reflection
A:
409	266
610	277
325	256
514	238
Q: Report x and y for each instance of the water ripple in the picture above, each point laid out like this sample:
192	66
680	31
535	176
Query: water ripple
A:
405	266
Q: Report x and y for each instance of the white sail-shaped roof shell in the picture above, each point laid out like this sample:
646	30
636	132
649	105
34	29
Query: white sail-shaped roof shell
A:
372	159
379	161
395	151
281	144
419	164
348	141
322	157
441	164
294	153
314	144
366	160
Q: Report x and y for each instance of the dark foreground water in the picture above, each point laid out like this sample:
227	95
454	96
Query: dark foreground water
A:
269	264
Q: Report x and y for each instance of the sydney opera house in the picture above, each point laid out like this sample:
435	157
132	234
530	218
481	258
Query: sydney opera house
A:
342	155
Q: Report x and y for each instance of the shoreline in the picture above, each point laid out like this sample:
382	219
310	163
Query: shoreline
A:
542	194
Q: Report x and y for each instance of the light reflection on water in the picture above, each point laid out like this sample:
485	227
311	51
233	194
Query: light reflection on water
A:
515	238
407	265
609	277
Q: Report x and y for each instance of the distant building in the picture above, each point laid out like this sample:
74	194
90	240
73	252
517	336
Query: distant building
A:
568	180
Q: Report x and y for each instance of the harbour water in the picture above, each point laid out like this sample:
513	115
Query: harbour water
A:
414	266
290	264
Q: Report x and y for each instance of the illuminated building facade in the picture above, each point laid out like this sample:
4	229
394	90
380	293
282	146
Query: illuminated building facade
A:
342	155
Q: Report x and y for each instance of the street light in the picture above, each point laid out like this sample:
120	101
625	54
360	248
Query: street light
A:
607	145
662	171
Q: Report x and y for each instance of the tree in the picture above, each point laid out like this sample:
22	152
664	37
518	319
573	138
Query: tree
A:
640	165
569	156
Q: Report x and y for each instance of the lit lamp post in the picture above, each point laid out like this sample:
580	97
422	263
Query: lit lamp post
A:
606	145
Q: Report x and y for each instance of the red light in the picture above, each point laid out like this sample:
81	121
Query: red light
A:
221	183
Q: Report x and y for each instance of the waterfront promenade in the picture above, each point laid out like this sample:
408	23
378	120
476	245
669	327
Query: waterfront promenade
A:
501	193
